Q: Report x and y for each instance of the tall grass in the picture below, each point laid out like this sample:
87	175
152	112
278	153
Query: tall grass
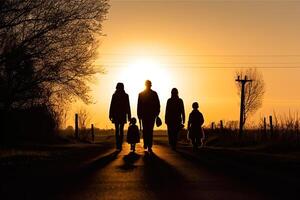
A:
285	132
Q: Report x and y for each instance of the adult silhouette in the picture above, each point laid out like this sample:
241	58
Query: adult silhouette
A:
148	109
174	117
119	112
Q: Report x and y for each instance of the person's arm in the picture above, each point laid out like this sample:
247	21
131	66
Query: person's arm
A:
189	122
182	112
139	107
111	108
158	104
201	119
167	112
128	108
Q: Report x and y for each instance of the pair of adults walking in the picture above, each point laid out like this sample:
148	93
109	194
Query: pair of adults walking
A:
148	110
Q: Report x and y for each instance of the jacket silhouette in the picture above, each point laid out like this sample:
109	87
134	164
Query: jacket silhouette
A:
148	105
119	111
148	109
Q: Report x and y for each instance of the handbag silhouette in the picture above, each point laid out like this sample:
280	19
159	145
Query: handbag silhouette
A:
158	122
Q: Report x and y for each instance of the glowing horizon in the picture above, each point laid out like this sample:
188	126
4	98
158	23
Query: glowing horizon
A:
196	46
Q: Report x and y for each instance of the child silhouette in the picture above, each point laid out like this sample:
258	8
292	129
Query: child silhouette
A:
195	123
133	134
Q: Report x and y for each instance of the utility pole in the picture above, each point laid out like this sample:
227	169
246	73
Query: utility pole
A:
242	111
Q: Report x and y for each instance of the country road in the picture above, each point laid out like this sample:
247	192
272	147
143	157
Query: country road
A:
165	174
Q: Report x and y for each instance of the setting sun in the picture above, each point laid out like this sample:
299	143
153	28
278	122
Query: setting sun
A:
146	68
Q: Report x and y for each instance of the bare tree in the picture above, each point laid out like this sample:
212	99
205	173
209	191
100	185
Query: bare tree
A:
83	118
47	50
254	91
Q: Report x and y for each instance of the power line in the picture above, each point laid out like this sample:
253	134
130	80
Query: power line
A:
209	67
222	63
207	55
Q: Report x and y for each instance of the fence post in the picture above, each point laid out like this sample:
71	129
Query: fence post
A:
76	127
221	125
297	132
93	134
271	127
212	125
265	127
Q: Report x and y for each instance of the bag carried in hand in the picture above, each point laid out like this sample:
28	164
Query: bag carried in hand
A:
158	122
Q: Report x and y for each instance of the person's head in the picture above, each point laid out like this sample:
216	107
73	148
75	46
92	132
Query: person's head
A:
174	92
195	105
120	86
148	84
133	121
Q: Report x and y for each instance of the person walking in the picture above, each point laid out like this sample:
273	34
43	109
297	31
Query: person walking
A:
174	117
119	113
195	123
133	134
148	109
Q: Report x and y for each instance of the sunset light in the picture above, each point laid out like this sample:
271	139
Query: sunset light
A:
134	74
149	99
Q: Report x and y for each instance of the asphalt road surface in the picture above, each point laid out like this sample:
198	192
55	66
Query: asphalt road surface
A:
165	174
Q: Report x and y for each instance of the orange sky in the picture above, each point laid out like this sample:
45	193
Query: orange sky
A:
196	46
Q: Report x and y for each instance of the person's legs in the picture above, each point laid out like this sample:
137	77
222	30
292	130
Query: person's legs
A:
131	146
172	132
170	135
197	140
121	135
148	126
117	128
145	134
175	137
150	139
193	134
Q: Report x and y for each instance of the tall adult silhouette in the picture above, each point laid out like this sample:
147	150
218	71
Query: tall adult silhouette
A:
148	109
174	117
119	112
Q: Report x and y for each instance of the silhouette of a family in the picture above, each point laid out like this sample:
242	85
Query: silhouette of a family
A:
148	109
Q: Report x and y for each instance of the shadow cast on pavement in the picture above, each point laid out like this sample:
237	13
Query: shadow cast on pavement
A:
252	176
163	179
129	161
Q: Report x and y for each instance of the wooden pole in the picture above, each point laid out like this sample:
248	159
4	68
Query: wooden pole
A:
271	126
76	127
242	108
221	125
93	134
265	127
212	125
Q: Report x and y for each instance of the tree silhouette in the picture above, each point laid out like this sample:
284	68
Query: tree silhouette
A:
47	50
84	118
254	90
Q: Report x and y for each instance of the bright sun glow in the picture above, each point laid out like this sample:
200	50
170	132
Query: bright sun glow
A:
137	71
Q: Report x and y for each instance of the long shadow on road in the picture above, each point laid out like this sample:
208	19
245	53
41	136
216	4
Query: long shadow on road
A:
129	161
163	179
259	178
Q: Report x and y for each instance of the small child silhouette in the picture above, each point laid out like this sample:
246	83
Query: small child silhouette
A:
133	134
195	122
